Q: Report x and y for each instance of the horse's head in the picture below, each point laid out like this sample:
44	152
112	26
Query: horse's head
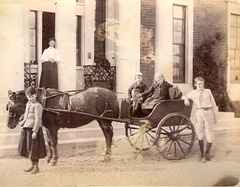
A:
15	107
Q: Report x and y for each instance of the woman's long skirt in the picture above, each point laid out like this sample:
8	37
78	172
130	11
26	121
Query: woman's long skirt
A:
32	148
49	75
150	103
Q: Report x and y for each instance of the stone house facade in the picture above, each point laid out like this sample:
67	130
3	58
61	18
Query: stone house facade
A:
134	35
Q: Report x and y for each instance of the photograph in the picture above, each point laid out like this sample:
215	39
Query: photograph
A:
119	93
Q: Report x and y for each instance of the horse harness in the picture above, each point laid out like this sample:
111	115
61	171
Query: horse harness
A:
65	104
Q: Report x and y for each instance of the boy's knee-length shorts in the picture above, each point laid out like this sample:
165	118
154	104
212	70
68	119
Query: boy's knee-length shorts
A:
204	125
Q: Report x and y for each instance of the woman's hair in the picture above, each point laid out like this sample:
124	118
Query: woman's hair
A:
52	39
157	75
31	90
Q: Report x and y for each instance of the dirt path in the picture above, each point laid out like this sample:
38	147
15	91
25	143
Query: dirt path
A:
84	166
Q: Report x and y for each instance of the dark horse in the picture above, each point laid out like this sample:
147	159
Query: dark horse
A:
95	101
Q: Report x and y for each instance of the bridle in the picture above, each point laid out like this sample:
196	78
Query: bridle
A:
14	102
11	104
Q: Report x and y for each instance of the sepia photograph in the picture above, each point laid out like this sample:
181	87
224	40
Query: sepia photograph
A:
119	93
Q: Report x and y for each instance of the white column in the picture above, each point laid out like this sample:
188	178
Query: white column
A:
66	43
39	42
88	33
128	43
110	31
163	48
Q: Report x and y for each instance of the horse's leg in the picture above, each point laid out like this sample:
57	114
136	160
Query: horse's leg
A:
107	129
50	144
54	137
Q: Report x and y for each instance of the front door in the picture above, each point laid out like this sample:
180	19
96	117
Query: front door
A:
48	28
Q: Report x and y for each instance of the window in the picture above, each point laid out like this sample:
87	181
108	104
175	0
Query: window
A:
235	49
100	35
179	32
78	40
33	37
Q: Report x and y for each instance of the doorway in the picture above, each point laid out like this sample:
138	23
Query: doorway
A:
48	28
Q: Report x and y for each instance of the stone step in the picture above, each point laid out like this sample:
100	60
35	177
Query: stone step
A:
88	133
85	132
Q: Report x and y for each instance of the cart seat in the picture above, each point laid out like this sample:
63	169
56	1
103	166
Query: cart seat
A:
174	94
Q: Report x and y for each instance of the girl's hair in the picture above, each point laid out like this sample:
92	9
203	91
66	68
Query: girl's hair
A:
31	90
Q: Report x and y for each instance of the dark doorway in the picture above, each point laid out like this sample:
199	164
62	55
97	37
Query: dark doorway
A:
48	28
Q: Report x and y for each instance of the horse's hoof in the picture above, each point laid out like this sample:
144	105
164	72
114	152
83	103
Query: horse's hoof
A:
53	163
108	152
107	157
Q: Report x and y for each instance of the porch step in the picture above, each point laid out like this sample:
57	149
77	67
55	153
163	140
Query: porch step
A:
12	137
85	134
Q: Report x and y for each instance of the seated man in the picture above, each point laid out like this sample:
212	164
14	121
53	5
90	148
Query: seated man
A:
157	92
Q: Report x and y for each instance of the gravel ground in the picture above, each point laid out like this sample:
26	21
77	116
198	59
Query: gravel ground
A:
84	166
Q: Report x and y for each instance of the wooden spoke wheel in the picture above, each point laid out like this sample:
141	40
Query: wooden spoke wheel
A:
140	137
175	136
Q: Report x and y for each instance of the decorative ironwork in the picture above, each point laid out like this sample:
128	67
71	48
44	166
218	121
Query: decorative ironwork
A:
30	75
100	75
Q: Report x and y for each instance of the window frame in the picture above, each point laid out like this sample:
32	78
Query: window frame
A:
100	23
235	64
35	30
182	45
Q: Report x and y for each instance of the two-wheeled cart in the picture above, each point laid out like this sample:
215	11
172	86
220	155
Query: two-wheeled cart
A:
168	127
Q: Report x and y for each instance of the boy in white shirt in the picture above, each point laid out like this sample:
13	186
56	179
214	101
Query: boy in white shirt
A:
206	115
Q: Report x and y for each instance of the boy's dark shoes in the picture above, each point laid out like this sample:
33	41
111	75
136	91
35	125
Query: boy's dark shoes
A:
202	159
207	157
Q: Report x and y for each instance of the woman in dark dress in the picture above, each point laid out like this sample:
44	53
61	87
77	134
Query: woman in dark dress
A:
157	92
50	59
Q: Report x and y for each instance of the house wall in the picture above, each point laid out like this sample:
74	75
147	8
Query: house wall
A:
12	55
14	38
233	89
211	17
210	24
127	44
164	41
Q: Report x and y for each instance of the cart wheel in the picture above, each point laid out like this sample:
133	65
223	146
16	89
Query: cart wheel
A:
175	136
141	137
